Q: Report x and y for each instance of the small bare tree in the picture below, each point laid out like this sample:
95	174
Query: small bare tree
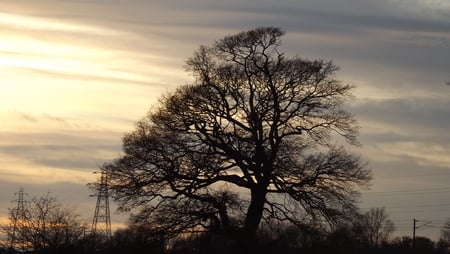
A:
376	226
445	232
44	225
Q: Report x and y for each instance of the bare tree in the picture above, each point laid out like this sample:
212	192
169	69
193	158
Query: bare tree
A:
44	225
377	227
253	138
445	232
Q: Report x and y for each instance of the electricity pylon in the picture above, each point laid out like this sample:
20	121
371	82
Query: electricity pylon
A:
18	215
101	223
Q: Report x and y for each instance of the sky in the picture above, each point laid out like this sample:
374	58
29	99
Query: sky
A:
75	75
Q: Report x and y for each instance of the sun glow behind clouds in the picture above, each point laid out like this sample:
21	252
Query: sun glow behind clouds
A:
65	82
68	47
48	24
23	52
48	66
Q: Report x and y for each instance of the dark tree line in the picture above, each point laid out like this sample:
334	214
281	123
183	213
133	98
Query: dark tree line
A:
368	232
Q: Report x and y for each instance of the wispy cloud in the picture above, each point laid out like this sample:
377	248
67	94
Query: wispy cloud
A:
45	24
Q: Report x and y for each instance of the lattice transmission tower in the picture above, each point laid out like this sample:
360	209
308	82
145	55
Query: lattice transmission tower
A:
101	223
18	215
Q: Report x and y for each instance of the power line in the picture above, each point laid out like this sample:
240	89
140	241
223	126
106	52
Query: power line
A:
414	206
412	176
410	192
411	206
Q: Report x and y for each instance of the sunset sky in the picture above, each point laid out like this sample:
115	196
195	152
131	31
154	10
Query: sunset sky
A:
76	74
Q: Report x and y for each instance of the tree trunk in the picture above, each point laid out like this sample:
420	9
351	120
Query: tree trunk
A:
254	214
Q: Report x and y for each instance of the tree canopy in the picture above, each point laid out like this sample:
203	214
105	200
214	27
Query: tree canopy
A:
257	136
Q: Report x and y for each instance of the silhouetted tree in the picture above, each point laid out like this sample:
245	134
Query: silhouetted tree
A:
444	241
45	226
445	231
136	239
376	226
424	245
342	239
279	237
251	139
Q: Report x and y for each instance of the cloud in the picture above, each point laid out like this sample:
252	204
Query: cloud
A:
38	23
405	129
51	148
415	117
84	158
376	35
82	150
28	117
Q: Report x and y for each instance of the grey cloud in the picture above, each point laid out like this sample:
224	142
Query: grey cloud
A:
87	128
396	135
90	78
28	117
85	158
419	115
373	33
409	169
76	152
54	118
317	15
64	191
360	20
329	16
33	119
